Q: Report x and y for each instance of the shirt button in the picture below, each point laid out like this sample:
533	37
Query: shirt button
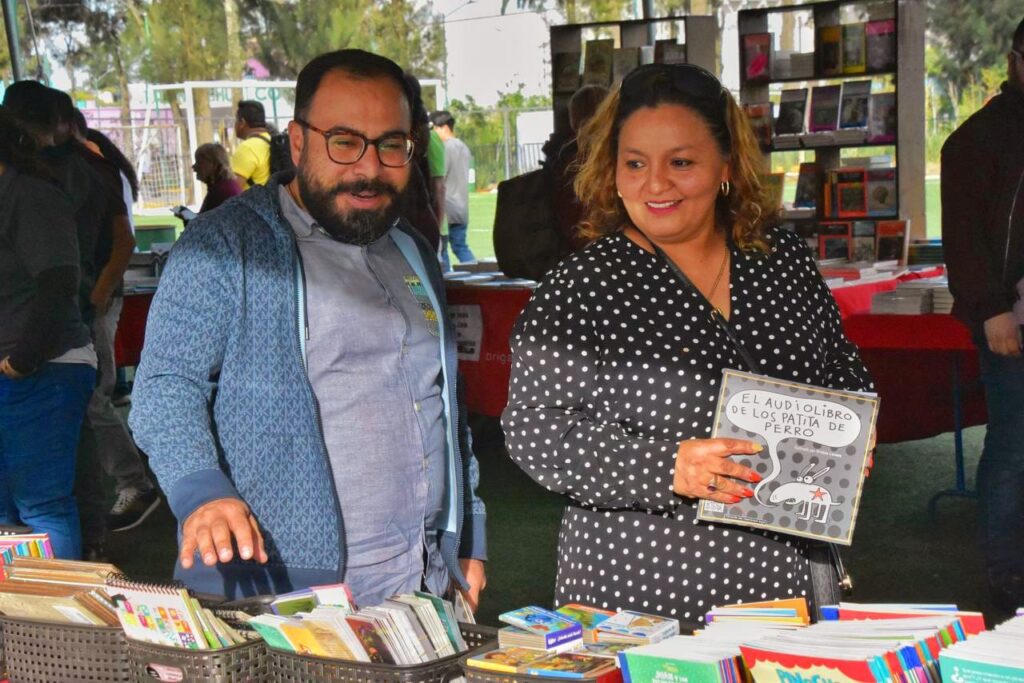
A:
416	405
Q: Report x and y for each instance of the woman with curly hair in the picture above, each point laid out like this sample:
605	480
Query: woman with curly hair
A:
618	357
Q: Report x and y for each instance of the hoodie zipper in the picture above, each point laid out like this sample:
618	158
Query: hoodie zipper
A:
1009	225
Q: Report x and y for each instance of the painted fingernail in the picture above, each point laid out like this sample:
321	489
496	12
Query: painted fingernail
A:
735	499
755	477
758	448
747	493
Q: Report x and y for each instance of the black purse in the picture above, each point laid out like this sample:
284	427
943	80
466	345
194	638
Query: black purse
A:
829	579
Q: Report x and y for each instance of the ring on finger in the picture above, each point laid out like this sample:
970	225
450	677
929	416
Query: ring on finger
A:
713	484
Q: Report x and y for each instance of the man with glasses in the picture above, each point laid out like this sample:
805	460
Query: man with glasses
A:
983	235
298	390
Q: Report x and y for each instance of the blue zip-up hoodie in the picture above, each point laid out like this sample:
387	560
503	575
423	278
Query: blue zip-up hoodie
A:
224	409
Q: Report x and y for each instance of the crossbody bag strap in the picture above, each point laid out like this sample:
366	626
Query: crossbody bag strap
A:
829	579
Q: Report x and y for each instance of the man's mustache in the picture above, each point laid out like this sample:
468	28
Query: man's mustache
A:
365	185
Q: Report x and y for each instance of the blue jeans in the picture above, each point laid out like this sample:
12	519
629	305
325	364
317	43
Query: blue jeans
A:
457	237
1001	469
40	417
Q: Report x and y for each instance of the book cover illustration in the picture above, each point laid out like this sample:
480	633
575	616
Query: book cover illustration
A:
853	113
597	64
792	109
882	198
851	192
830	50
639	625
891	241
882	119
812	467
881	44
370	639
757	57
569	665
834	241
565	71
806	186
854	52
824	108
586	616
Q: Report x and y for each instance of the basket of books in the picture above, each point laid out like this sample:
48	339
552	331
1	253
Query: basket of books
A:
319	635
45	651
58	623
171	636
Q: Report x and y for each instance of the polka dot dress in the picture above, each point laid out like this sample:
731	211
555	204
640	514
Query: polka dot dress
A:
615	364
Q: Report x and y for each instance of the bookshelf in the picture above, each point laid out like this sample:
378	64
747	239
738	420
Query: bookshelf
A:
816	65
699	34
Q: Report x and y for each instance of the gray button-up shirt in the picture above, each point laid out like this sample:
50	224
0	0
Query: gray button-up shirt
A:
373	357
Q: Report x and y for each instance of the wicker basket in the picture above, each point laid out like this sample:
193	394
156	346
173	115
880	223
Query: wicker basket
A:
45	652
288	667
243	663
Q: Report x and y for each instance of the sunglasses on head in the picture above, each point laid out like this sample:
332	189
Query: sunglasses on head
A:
691	79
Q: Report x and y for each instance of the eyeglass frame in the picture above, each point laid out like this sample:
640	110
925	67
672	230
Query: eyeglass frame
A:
410	143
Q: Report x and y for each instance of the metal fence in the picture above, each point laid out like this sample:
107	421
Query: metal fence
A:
160	153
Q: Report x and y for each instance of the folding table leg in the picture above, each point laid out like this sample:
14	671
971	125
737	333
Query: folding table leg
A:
960	490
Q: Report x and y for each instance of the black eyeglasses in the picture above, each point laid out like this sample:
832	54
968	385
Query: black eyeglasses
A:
347	146
690	79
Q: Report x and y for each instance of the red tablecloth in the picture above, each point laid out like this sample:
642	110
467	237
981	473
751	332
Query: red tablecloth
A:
131	329
912	359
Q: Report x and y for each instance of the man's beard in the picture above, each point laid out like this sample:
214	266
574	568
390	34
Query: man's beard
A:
357	226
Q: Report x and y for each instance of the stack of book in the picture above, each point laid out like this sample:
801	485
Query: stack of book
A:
902	302
573	665
635	628
926	252
60	591
992	656
536	627
23	545
404	629
587	617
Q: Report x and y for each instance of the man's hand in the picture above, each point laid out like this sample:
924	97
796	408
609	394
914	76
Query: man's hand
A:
1003	335
7	371
476	576
210	528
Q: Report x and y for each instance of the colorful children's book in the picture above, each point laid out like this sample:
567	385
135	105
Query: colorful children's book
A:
636	627
681	658
573	665
854	51
757	57
834	240
813	461
550	628
882	199
157	613
586	616
880	37
507	659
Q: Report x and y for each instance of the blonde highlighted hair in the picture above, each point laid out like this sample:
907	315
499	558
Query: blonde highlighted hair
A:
746	211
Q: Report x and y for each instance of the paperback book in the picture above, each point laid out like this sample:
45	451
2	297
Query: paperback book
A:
854	50
882	121
757	57
853	112
824	108
880	37
597	65
830	50
792	111
814	458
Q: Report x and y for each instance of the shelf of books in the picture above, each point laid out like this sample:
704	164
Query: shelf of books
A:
601	53
818	82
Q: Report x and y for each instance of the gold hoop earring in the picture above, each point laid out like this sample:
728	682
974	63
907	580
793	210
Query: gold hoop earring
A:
725	188
619	194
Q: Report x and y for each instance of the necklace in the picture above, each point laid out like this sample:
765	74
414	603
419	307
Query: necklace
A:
718	278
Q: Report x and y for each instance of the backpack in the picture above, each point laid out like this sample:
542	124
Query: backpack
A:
280	152
527	242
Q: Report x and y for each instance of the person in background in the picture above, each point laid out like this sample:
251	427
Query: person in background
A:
983	233
457	161
617	362
298	392
105	439
560	164
425	206
251	160
213	169
47	365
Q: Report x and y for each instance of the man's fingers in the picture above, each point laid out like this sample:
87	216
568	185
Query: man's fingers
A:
221	533
188	550
241	529
204	540
261	552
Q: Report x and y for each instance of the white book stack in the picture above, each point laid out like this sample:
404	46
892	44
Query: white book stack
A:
910	301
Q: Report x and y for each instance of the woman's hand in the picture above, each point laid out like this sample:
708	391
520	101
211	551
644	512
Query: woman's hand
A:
704	470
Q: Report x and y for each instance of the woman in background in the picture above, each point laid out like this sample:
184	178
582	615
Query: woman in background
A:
213	168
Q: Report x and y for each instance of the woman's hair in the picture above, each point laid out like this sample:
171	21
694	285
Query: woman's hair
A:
18	147
215	152
746	210
114	155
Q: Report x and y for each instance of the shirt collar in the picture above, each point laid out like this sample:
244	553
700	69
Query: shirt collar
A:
298	218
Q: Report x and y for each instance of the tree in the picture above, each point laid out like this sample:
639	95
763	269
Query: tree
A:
289	34
970	37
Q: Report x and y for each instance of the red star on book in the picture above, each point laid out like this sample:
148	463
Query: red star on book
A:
820	494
